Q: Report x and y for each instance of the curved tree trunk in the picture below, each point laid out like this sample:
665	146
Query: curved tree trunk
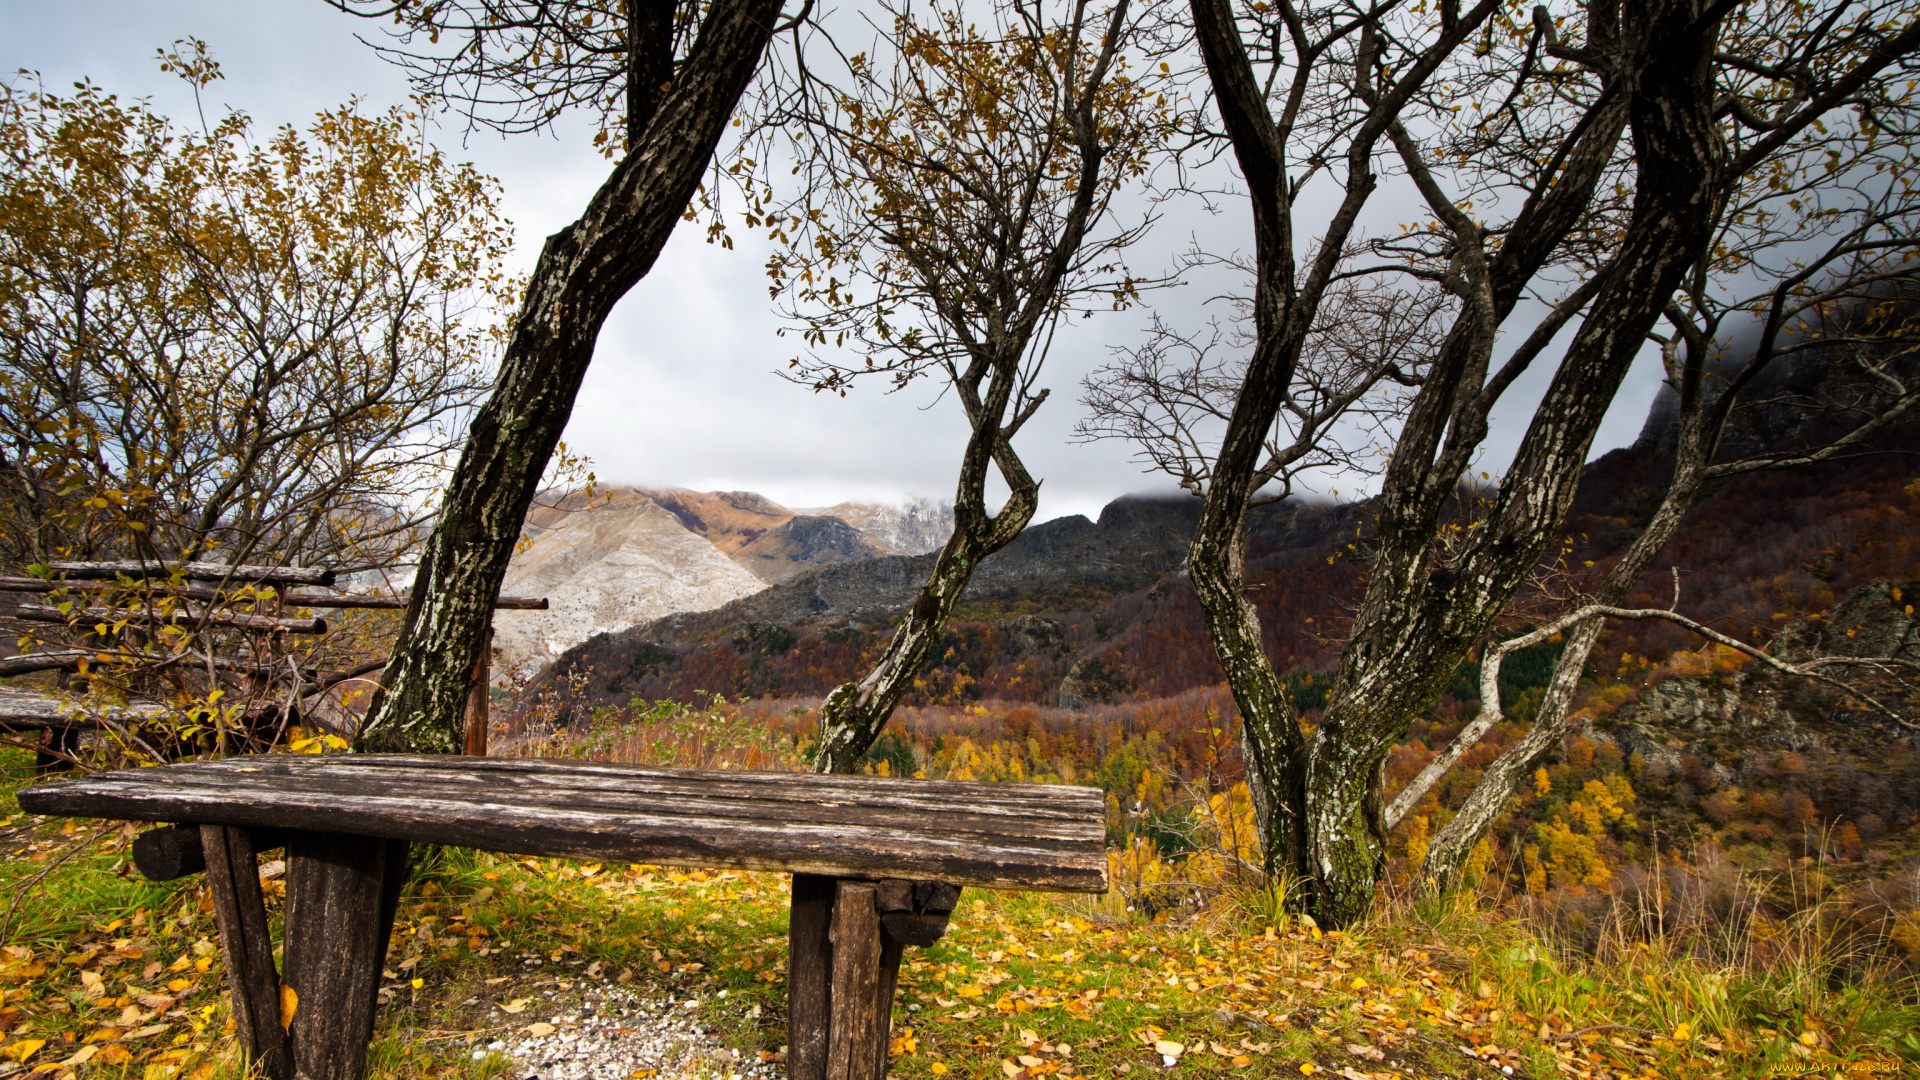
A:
1413	632
582	271
852	715
996	339
1450	849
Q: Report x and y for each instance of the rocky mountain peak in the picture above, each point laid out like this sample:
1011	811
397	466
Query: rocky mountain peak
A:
630	555
914	526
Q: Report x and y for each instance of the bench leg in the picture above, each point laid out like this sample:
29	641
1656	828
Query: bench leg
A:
342	892
860	1020
809	975
844	944
889	981
233	877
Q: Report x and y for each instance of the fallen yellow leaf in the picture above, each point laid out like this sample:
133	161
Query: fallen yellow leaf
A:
1242	1061
1682	1032
1168	1048
1310	1068
541	1028
289	1004
937	1069
24	1049
516	1005
84	1055
177	985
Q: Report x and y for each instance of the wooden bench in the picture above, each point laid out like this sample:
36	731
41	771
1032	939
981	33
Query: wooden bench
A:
877	865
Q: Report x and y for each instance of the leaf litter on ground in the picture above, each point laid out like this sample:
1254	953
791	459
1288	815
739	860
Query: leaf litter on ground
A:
499	963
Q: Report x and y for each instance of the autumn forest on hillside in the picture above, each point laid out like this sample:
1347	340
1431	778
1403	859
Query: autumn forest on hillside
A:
1155	729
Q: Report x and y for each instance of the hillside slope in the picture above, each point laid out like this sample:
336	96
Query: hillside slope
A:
624	562
631	555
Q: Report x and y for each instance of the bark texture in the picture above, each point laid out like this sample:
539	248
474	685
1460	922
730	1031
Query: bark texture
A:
1286	298
582	271
1422	615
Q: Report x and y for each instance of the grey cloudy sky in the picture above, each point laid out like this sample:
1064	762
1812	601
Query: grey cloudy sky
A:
682	389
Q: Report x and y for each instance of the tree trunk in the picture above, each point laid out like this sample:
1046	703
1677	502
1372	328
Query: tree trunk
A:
853	714
582	271
1413	632
1271	741
1450	849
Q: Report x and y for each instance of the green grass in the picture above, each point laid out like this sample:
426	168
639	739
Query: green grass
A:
1056	985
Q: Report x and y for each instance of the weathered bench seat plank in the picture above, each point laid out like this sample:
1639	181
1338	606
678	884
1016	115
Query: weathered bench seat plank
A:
999	836
28	708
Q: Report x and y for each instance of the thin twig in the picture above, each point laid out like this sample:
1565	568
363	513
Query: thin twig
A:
6	924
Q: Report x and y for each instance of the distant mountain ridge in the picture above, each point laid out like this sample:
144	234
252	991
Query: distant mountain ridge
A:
631	555
1137	540
914	527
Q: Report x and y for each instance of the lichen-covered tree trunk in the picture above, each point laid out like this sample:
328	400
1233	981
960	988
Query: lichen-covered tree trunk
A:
1422	616
852	715
1270	737
582	271
1448	852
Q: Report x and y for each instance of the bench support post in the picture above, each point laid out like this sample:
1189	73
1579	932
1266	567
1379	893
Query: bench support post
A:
809	975
233	877
857	1031
55	752
844	944
342	892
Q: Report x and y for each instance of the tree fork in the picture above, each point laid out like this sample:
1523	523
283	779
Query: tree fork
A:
854	713
1681	160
